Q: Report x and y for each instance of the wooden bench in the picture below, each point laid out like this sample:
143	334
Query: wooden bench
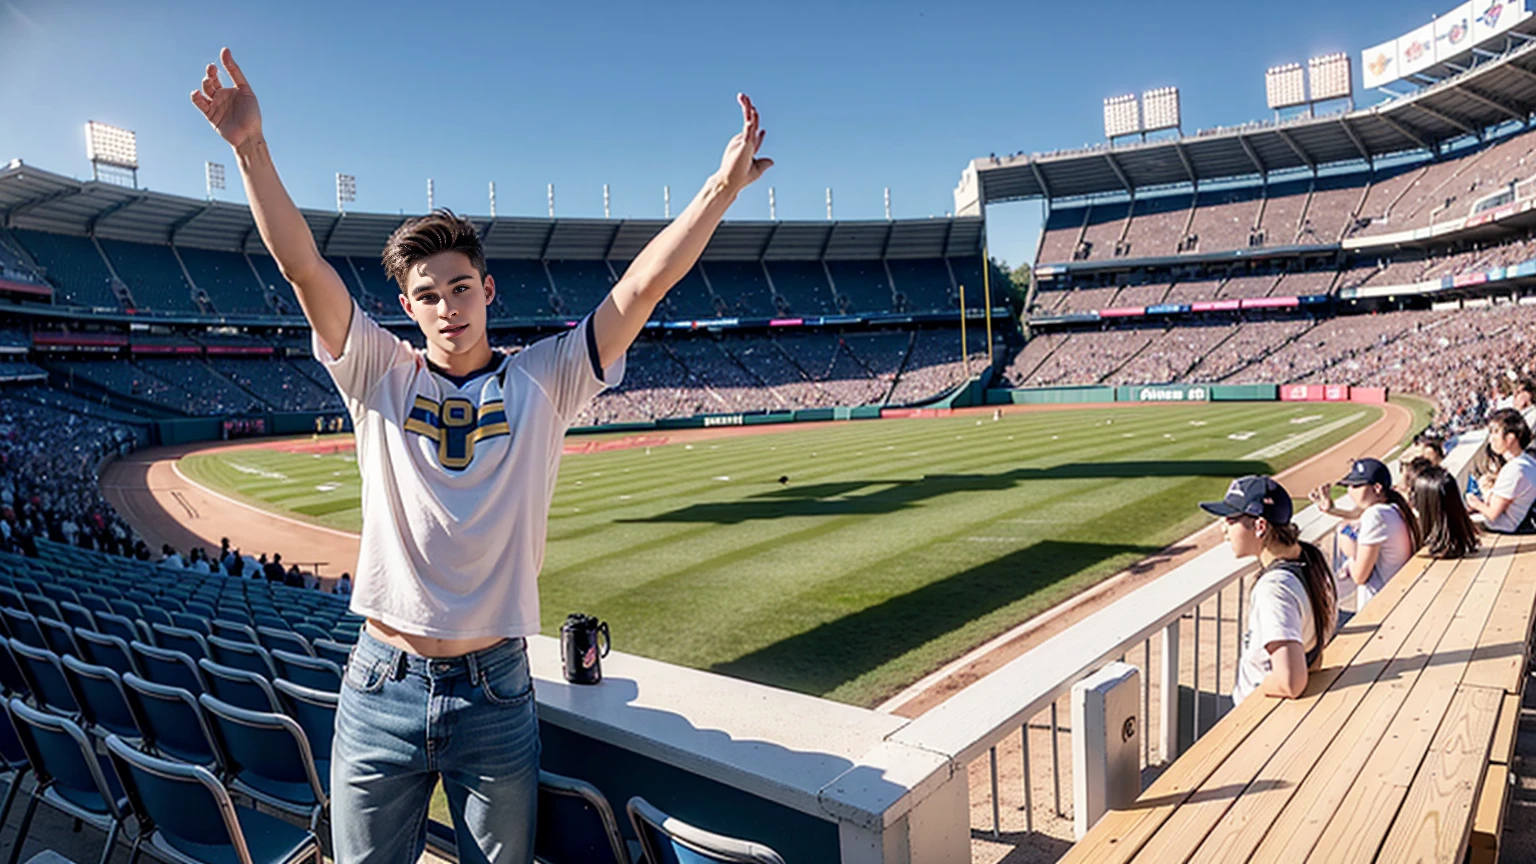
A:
1398	748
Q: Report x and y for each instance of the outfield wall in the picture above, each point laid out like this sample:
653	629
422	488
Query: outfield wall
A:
1187	393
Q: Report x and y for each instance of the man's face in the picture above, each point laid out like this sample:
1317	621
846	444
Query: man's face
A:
447	299
1522	399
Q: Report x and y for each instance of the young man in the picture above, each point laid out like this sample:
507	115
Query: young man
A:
458	448
1507	506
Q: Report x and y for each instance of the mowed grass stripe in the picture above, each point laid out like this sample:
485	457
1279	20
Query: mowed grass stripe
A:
895	547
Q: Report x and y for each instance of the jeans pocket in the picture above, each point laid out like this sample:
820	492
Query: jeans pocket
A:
366	677
508	682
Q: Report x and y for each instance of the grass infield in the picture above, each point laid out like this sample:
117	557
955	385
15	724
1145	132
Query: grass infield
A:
894	547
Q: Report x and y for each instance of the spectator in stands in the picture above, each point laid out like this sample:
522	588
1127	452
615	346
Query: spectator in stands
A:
1483	470
1506	508
1430	445
169	557
1380	532
344	585
1447	530
1408	470
294	578
1524	401
1293	606
273	569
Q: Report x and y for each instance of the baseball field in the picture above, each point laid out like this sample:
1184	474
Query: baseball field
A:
848	560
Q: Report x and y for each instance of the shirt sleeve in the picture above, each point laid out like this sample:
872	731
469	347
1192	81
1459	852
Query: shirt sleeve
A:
1276	615
369	352
566	366
1508	483
1373	527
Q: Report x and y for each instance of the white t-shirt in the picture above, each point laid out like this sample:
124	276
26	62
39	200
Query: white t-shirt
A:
457	480
1517	482
1381	525
1280	612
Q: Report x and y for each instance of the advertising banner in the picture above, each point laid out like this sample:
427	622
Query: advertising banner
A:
1416	50
1453	33
1335	392
1301	393
1378	65
1371	395
1492	17
1164	393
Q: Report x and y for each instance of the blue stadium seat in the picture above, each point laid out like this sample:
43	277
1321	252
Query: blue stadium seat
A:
71	777
336	652
23	626
59	636
187	815
576	824
103	704
170	668
307	671
668	840
44	677
188	642
73	265
13	759
99	649
113	624
42	606
269	759
172	723
312	631
192	621
240	655
275	639
152	274
238	687
76	615
315	712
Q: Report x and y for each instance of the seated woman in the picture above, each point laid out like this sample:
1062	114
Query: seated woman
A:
1447	530
1293	607
1506	508
1483	470
1379	535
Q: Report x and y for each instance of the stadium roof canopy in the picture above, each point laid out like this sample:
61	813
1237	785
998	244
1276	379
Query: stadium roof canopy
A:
31	198
1467	102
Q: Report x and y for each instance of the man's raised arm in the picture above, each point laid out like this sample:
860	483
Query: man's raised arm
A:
234	114
671	254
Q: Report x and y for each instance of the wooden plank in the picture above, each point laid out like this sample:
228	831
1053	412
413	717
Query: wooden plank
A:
1504	646
1360	822
1292	833
1504	734
1435	820
1120	834
1488	818
1244	824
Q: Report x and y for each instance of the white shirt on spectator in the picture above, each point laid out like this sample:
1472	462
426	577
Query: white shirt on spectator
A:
1280	612
200	566
1517	482
173	561
1381	525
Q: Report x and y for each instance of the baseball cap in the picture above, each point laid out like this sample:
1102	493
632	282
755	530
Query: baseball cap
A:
1364	472
1253	495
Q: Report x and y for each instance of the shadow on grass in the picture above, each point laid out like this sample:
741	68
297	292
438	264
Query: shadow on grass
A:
825	657
833	499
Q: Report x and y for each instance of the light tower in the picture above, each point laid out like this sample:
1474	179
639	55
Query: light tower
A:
346	191
114	154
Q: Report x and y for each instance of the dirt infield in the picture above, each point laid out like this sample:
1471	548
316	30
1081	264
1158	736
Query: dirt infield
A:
167	507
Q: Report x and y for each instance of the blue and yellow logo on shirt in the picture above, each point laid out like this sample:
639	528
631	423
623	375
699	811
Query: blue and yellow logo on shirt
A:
456	425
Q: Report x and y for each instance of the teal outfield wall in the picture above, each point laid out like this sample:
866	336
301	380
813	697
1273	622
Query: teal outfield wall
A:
1136	393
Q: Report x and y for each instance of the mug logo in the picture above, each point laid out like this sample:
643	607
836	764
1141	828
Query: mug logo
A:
589	658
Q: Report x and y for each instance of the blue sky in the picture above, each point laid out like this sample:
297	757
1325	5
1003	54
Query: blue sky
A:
858	96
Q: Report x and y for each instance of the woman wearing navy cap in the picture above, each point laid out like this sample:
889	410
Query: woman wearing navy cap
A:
1380	532
1294	591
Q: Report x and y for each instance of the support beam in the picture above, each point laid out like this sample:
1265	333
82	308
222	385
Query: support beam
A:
1040	178
1253	155
1296	148
1189	167
325	245
38	202
1115	167
1404	131
1446	118
185	221
1521	71
1496	104
90	227
1355	139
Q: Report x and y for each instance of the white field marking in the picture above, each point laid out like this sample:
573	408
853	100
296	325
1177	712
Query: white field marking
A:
1293	441
1310	418
685	447
289	519
625	497
1197	422
1127	434
316	456
327	487
578	482
723	478
1242	436
1055	437
259	472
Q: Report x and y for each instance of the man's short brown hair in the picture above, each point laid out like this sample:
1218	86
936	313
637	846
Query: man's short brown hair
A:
420	238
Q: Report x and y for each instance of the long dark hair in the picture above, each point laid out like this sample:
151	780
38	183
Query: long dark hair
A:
1443	521
1400	504
1317	578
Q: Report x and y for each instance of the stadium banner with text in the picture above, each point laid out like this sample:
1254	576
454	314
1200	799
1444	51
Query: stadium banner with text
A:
1164	393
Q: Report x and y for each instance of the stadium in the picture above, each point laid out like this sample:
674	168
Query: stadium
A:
898	546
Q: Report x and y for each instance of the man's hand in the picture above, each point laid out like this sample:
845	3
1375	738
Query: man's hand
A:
232	111
740	166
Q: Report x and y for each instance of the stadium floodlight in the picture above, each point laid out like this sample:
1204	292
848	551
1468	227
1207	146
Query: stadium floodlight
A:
430	197
346	191
115	149
493	199
887	203
666	202
1160	109
551	200
829	203
773	207
213	173
1330	76
1285	86
1122	116
606	209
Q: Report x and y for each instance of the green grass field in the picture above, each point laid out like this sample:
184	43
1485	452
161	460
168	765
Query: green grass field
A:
895	546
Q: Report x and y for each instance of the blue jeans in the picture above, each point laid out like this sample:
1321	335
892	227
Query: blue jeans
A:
405	720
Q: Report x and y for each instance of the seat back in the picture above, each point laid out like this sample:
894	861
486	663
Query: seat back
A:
12	683
275	639
315	712
76	615
184	804
99	649
336	652
10	598
58	593
667	840
63	758
45	678
171	721
190	621
41	606
238	687
59	636
99	693
576	825
22	626
96	603
240	655
114	624
155	615
171	668
188	642
312	631
307	671
269	755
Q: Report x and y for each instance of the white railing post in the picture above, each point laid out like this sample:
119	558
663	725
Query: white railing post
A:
1169	681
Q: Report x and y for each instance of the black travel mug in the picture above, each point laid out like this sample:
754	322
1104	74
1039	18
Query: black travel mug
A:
584	641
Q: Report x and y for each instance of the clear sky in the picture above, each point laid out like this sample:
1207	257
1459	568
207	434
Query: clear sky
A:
857	96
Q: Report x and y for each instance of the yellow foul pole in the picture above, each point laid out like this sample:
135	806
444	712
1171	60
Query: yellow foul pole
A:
986	296
965	354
